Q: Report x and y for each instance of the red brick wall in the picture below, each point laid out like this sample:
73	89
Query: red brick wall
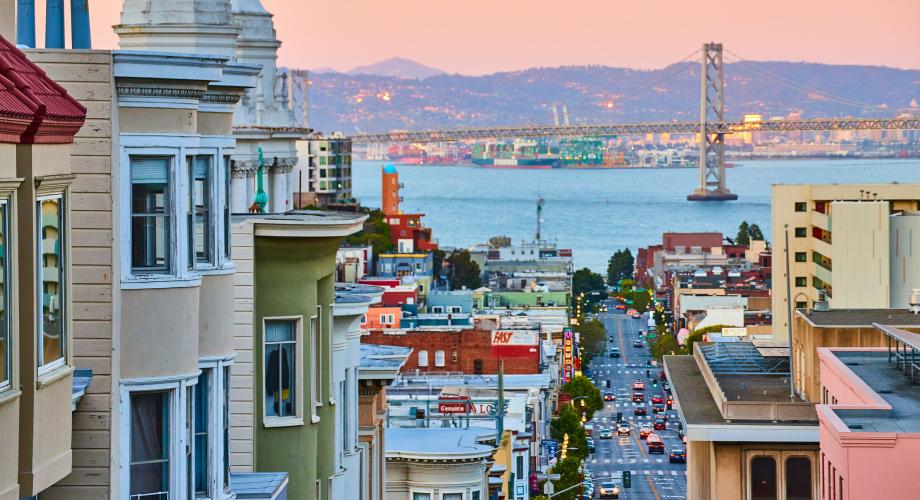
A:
469	345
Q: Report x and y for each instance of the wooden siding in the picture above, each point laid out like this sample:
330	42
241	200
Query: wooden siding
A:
241	374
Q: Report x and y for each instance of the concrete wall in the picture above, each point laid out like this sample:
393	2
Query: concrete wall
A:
860	255
155	343
215	319
904	257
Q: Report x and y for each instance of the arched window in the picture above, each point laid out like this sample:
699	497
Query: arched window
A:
798	478
763	478
423	358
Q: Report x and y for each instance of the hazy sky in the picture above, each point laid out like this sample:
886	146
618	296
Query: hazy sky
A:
484	36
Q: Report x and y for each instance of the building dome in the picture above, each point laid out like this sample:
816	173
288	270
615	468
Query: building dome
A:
389	169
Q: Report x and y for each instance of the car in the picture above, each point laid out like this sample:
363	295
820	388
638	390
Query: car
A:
677	456
661	424
611	339
638	397
609	489
605	434
644	431
591	446
608	396
639	410
655	444
638	385
657	408
657	399
666	386
638	343
614	352
623	429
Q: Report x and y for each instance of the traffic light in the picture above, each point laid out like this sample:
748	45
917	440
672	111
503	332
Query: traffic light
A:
619	417
608	384
627	479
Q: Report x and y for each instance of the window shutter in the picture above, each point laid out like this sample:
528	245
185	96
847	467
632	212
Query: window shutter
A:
149	170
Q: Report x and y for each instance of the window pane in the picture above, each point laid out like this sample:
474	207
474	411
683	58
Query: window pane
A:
452	496
4	303
150	214
421	496
280	345
51	276
798	478
279	331
150	446
202	414
226	468
201	208
763	478
226	198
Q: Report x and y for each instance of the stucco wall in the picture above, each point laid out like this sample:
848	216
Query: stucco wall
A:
159	334
215	320
9	453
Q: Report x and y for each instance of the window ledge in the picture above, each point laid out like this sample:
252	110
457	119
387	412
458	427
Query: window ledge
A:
271	422
226	268
9	395
314	419
48	378
159	281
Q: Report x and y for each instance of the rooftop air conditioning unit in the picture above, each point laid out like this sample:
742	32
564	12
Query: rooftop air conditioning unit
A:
914	301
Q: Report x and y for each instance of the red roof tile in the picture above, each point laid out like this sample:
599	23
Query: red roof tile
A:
26	93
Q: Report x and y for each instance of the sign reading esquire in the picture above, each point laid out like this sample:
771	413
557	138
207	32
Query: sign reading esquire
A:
515	343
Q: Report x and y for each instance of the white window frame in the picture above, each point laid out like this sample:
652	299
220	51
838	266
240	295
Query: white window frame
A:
439	358
437	309
178	147
316	399
64	283
216	398
177	389
331	385
422	491
296	419
7	208
215	230
456	309
420	358
462	494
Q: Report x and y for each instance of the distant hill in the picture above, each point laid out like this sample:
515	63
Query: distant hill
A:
396	67
357	100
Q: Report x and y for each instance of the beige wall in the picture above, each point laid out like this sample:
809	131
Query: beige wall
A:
215	321
241	372
87	76
214	123
157	333
149	120
905	258
9	452
860	255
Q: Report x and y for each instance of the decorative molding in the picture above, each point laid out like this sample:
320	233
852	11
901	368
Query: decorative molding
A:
172	93
220	98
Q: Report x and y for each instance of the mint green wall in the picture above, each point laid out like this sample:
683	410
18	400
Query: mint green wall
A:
518	299
292	276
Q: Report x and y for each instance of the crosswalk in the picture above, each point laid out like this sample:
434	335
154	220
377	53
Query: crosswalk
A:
644	472
626	461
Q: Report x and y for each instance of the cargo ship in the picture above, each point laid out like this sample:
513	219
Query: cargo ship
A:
524	163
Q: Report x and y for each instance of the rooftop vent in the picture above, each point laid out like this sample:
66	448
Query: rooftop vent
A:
855	426
914	301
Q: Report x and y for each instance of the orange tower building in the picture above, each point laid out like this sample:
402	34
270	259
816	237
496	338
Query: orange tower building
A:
390	194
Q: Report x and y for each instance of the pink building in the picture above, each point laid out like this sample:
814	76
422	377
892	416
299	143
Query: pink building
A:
870	420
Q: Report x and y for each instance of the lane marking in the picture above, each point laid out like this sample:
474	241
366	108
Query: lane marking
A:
651	485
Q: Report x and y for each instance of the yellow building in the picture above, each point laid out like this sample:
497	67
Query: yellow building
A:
854	246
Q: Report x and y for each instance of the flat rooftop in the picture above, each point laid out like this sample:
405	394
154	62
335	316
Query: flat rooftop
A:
891	385
755	387
690	391
437	443
861	317
305	216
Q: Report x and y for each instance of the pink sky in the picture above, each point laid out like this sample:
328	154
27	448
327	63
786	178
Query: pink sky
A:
484	36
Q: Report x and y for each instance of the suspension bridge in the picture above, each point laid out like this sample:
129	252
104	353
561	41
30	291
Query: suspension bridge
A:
711	126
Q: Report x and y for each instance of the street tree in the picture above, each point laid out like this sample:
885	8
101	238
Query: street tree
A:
463	271
582	387
620	266
568	477
585	281
755	232
569	422
592	338
744	234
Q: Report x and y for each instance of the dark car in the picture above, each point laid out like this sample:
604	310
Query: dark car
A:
640	410
655	444
638	343
677	457
608	396
657	399
591	446
661	424
638	397
614	352
657	408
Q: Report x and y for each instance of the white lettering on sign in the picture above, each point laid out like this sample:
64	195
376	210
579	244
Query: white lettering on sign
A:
515	337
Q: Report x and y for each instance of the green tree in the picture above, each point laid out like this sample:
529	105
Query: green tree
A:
592	338
437	261
698	335
582	387
744	234
375	232
620	266
568	477
569	422
755	232
664	345
463	271
586	281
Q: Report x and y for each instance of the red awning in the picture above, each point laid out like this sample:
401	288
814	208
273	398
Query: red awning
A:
33	107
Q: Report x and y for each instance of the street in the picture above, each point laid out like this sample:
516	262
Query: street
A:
653	477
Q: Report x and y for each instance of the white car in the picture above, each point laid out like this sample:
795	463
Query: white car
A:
609	489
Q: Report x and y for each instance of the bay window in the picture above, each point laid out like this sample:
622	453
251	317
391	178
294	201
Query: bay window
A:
315	372
151	225
51	280
226	427
150	446
201	446
200	213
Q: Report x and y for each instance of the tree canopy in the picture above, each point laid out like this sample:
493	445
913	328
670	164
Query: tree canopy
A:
592	339
582	387
748	232
375	232
586	281
463	271
620	266
568	476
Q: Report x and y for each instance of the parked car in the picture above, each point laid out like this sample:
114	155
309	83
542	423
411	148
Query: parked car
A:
638	343
605	434
655	444
638	385
644	431
609	489
657	399
660	424
623	429
638	397
639	410
608	396
677	456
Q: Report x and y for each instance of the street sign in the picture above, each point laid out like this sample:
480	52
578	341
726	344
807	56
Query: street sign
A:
548	488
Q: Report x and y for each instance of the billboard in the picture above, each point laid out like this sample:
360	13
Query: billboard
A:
515	343
455	405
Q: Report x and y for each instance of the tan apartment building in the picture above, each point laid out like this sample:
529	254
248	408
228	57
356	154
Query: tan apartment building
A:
853	246
38	120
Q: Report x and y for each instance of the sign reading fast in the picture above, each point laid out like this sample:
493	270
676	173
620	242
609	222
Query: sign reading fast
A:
508	343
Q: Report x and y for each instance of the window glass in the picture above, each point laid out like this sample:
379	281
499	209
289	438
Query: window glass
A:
51	279
4	300
150	214
439	358
421	496
226	424
343	400
452	496
200	203
798	478
315	371
423	358
801	257
801	281
227	201
763	478
149	446
800	232
280	344
474	495
801	206
201	445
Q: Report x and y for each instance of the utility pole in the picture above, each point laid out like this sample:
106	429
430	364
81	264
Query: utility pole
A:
789	316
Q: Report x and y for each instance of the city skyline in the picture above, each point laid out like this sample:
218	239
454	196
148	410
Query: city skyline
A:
483	38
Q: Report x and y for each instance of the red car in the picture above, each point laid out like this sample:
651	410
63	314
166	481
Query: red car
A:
657	399
644	432
657	408
661	424
608	396
639	410
638	397
638	385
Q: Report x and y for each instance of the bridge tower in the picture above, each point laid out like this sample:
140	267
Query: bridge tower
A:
712	146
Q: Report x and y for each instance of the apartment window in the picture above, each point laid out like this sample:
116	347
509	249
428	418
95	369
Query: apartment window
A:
315	371
477	367
801	304
800	232
437	309
453	356
423	358
763	478
280	368
343	401
150	215
798	478
52	281
801	281
199	224
801	206
452	496
150	446
201	446
421	496
227	200
226	427
456	309
5	351
801	257
520	467
439	358
474	495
